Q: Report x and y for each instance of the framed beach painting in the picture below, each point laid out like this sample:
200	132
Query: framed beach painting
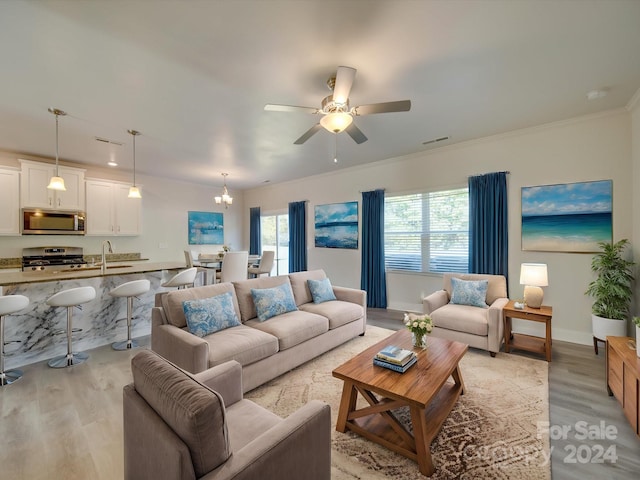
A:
569	217
206	228
336	225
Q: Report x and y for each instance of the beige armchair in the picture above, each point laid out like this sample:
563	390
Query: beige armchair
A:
476	326
178	426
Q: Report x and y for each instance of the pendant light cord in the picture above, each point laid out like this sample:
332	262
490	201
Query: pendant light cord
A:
57	175
134	160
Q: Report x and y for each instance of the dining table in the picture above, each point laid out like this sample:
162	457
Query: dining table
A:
212	263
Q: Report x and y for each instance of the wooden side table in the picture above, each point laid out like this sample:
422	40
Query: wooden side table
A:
527	342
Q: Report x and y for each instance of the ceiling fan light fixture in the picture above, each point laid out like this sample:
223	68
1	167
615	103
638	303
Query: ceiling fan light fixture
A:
57	182
336	122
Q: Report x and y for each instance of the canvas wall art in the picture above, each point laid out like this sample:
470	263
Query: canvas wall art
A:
569	217
336	225
206	228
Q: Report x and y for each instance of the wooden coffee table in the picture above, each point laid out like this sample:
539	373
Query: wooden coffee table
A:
423	388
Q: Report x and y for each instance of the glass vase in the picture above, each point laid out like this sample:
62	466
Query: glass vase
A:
419	341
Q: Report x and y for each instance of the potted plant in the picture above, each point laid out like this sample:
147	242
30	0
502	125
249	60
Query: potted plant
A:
611	290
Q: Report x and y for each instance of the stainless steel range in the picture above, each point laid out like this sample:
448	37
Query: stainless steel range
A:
52	258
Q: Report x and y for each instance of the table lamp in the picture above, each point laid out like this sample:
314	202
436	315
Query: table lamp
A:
533	276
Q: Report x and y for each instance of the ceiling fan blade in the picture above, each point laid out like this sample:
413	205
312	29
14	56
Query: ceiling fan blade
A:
308	134
387	107
289	108
344	80
355	133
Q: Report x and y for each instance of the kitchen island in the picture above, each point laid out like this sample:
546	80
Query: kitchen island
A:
102	320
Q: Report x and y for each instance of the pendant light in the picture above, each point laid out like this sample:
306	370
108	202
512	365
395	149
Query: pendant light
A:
134	192
56	182
225	197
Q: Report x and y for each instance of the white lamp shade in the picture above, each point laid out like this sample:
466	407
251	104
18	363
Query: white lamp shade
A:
57	183
534	274
134	192
336	122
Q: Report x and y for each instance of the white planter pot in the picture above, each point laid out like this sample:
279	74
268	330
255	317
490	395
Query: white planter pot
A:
603	327
638	341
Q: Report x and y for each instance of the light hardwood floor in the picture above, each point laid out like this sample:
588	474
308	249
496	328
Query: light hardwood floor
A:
67	423
578	403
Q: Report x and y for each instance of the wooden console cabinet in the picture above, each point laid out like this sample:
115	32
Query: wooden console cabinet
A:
623	377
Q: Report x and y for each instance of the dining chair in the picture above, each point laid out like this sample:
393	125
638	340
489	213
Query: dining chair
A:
234	267
265	265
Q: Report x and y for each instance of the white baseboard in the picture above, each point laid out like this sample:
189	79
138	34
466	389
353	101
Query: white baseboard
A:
405	307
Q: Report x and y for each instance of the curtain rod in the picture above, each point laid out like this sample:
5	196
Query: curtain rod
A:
480	174
373	190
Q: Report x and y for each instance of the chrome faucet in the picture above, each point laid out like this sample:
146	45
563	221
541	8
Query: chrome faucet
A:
103	265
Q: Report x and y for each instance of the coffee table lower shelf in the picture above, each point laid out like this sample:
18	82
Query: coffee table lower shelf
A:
378	424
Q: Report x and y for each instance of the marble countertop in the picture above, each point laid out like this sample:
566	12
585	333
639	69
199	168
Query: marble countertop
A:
113	268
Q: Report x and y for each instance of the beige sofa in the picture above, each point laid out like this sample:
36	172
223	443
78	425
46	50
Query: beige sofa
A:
179	427
264	349
476	326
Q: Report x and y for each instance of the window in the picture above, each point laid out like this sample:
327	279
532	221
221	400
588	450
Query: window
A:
427	232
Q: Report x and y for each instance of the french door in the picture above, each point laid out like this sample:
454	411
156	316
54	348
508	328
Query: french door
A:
275	236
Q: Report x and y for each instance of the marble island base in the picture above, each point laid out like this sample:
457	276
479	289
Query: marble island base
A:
103	320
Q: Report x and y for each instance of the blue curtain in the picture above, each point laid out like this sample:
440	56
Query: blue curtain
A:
488	227
372	276
255	242
297	236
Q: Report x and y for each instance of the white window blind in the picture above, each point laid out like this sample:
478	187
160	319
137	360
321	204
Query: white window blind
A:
427	232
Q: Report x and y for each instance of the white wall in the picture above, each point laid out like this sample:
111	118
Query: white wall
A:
165	204
634	107
588	148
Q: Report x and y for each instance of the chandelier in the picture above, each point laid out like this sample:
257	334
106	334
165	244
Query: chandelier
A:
225	197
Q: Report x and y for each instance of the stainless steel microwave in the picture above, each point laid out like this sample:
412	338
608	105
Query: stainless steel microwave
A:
36	221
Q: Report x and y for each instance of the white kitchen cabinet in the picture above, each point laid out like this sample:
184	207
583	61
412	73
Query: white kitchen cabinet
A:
35	194
10	201
110	211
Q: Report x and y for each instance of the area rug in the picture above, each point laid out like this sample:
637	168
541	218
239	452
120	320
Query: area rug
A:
492	432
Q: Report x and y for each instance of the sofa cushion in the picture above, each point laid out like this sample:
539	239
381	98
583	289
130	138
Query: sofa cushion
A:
469	292
271	302
244	297
292	328
208	315
172	301
243	344
193	411
462	318
497	286
338	312
300	287
321	290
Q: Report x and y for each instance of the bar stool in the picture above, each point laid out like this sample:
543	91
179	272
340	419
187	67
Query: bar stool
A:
181	279
9	304
129	290
70	298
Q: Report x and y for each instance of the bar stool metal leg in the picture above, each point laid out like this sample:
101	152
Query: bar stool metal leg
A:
129	342
70	358
10	376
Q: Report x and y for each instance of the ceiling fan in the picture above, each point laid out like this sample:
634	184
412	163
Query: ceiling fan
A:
335	111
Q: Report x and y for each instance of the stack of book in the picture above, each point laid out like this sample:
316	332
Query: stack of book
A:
395	358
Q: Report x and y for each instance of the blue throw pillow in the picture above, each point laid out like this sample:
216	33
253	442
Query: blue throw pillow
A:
321	290
209	315
274	301
469	292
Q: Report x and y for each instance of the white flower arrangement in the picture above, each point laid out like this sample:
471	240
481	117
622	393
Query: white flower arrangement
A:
419	325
